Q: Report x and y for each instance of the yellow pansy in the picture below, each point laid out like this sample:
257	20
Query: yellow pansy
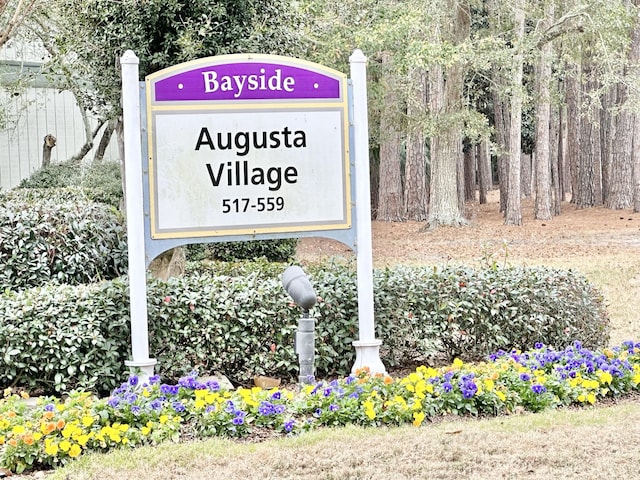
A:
605	377
369	411
418	418
590	384
18	430
87	420
51	449
75	450
65	445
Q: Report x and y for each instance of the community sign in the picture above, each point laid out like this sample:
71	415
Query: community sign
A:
247	144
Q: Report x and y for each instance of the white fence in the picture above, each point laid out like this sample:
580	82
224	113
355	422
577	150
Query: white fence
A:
33	113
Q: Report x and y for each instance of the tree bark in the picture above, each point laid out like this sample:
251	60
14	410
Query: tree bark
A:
104	140
526	173
542	207
573	100
484	172
470	173
513	213
555	152
47	146
589	167
390	200
415	173
622	185
445	99
168	264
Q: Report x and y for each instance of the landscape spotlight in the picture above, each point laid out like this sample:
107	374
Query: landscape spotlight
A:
297	285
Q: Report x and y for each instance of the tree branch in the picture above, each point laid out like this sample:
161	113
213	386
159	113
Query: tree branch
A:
21	12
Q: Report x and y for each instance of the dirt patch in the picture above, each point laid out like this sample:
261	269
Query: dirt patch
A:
574	233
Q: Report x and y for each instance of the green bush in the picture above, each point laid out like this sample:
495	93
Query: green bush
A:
277	250
56	175
239	321
101	182
59	337
58	235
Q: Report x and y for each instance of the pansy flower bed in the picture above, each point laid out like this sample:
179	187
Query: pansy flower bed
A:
56	431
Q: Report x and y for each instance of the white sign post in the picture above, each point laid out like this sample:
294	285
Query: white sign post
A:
135	217
367	347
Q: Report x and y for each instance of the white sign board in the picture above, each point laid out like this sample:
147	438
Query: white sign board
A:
247	144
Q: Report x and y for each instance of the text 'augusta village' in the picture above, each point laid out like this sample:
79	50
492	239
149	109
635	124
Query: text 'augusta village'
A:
238	172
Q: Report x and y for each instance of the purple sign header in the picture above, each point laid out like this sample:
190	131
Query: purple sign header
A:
259	78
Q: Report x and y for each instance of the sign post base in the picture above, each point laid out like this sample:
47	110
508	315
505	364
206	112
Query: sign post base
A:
368	355
145	368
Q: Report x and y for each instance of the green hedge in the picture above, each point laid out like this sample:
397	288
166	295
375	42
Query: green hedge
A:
276	250
60	337
58	235
100	182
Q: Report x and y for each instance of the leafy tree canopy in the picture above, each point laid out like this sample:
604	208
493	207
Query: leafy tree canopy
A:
91	36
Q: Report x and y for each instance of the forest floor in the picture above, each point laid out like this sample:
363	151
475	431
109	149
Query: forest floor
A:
574	233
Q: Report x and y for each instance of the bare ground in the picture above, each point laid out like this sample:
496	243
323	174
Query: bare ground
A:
574	233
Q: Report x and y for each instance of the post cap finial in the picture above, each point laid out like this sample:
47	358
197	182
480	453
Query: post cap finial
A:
129	58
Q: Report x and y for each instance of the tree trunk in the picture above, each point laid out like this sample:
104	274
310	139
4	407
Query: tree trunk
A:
513	213
445	99
443	206
589	167
608	127
555	152
415	173
501	120
168	264
634	61
104	140
470	173
621	193
500	112
526	173
542	207
636	165
390	201
484	171
573	100
47	146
